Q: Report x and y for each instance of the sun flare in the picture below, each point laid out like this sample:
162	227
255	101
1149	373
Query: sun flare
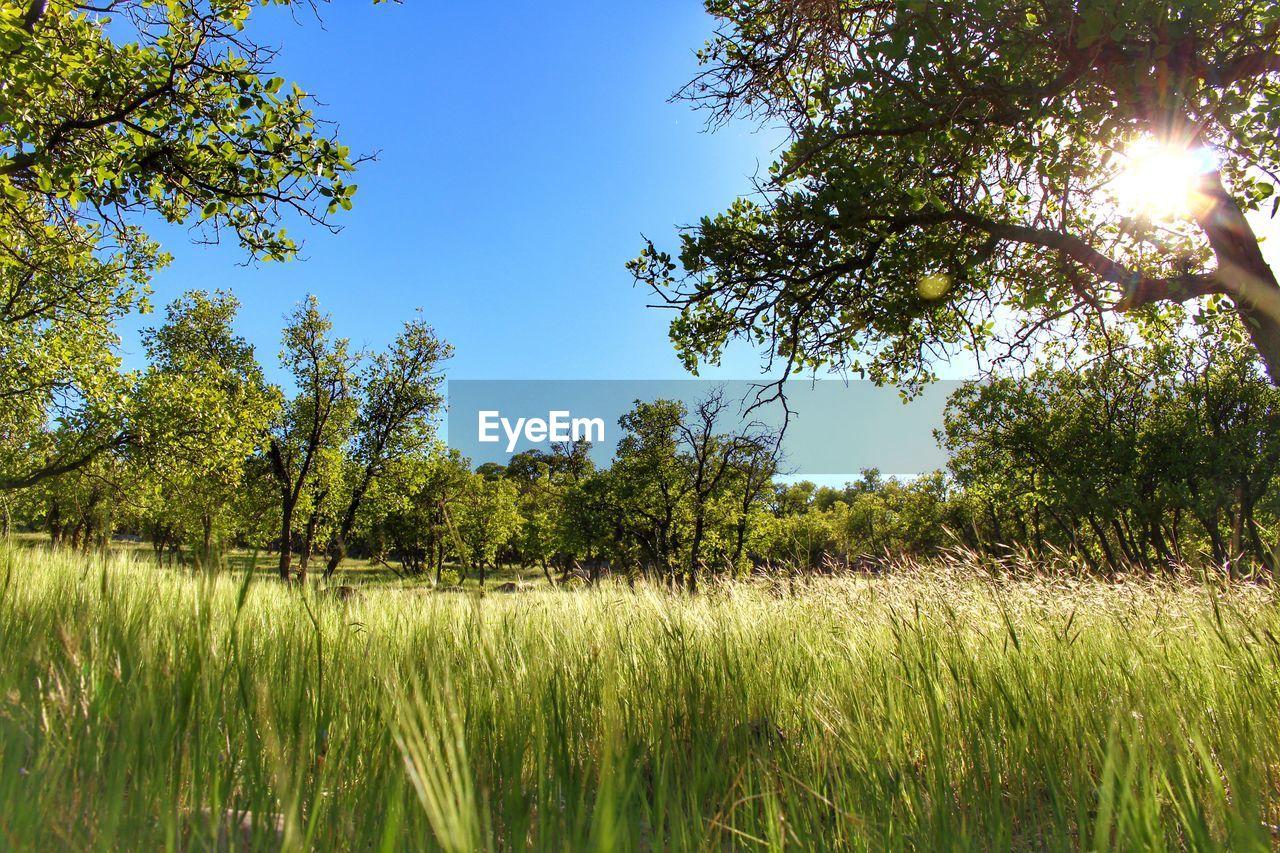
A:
1161	181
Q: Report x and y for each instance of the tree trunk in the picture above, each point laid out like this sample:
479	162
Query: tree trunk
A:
286	538
335	553
1107	554
207	520
1265	557
1254	289
739	541
1265	332
289	493
1175	533
1237	533
54	520
695	552
309	537
338	547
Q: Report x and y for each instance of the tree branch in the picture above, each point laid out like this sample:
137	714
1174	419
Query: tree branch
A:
54	468
33	15
1139	290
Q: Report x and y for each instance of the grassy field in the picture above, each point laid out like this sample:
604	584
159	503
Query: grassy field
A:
353	570
143	708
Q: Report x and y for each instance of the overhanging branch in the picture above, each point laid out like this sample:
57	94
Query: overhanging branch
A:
1139	290
62	465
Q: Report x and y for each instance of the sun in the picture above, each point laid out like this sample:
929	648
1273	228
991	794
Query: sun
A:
1161	181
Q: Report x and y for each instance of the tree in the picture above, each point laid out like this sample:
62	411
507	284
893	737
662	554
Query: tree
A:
595	525
112	116
713	459
681	481
541	506
752	477
317	420
200	410
487	520
83	504
953	167
399	401
563	505
58	357
323	495
651	484
1164	456
411	508
883	517
797	541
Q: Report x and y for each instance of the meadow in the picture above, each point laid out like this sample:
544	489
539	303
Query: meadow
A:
939	706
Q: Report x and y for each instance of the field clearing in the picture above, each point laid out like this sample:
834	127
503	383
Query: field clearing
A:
145	708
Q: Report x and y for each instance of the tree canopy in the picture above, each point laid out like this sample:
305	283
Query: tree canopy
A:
954	176
113	115
199	411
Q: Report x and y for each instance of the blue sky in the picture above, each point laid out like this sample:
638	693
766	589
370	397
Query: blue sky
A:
524	149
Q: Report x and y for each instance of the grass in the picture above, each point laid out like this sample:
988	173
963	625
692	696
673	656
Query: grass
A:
353	570
935	708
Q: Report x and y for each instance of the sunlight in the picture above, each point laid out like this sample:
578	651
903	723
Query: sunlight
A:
1161	181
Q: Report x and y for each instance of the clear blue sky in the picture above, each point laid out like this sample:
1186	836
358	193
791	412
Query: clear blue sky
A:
524	149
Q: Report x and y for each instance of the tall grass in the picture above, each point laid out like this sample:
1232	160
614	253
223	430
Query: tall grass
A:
142	708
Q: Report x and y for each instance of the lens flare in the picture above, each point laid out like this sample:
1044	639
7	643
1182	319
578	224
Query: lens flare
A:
934	285
1162	181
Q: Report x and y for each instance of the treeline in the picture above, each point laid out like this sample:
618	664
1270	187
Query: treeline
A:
1133	448
1138	448
200	451
1142	448
1163	454
1141	452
